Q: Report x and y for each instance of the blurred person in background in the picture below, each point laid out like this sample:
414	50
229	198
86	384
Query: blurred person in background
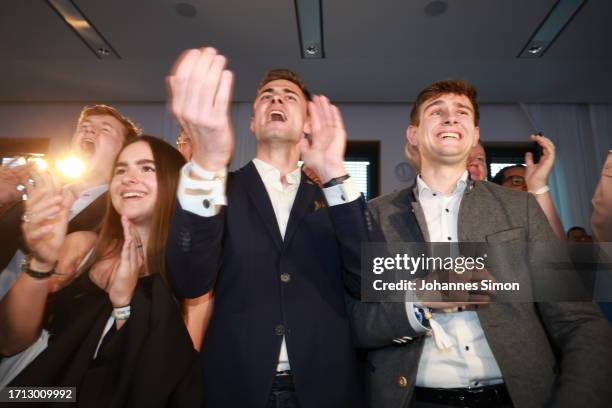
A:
533	178
578	234
477	163
100	133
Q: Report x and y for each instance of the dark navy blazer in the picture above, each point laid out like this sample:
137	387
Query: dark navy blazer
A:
267	288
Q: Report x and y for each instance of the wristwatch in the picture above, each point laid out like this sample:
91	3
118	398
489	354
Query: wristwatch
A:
423	314
336	181
25	267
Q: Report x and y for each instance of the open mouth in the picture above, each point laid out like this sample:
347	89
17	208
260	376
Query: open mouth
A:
131	195
87	147
449	136
277	116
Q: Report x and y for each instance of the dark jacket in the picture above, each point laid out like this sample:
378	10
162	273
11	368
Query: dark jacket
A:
267	288
149	362
519	334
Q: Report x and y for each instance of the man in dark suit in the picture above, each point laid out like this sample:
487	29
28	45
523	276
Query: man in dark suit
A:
437	354
283	251
100	133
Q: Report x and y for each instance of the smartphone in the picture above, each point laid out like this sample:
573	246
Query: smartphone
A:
536	150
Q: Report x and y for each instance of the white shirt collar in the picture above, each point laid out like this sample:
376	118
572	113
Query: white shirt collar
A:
423	188
267	172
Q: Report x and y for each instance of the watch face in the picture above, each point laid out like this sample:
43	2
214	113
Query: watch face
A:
25	263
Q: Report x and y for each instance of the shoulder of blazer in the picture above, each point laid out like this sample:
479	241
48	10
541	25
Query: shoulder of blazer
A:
398	199
484	192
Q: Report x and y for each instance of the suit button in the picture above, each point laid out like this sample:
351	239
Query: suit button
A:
285	277
279	330
206	203
402	381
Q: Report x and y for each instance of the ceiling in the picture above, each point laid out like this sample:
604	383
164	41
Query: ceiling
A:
376	51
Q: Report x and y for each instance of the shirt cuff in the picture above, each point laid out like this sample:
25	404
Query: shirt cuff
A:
413	320
341	193
202	197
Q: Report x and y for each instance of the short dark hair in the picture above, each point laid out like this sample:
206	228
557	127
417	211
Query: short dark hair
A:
501	175
131	129
287	75
575	228
449	86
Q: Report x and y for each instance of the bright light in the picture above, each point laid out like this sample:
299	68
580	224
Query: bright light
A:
71	166
40	162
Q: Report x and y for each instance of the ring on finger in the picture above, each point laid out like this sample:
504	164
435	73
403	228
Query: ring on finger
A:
27	216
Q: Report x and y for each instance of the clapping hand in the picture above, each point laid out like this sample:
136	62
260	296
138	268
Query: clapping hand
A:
128	269
45	220
324	152
200	91
536	174
10	178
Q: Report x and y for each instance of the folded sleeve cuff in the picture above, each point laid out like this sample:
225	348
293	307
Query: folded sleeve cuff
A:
202	196
341	193
413	320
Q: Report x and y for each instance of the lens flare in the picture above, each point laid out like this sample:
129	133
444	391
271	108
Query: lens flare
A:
70	167
39	162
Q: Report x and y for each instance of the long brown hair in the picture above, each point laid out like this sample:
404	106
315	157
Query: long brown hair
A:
168	162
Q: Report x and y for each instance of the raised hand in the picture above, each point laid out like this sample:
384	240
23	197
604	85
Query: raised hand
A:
536	175
125	275
10	178
324	152
45	220
199	90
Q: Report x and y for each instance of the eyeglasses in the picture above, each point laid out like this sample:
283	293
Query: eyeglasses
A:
515	180
181	140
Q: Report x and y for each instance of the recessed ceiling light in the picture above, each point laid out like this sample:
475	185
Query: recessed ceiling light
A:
534	49
186	10
312	49
555	22
435	8
84	29
310	26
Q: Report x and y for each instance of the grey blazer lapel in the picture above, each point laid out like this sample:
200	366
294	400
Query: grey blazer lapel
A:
406	219
420	217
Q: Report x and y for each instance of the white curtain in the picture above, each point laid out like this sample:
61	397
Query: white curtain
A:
581	134
601	121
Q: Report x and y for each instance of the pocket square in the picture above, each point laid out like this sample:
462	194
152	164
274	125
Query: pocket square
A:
318	204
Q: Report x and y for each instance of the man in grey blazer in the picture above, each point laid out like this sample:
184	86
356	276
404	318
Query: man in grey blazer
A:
495	354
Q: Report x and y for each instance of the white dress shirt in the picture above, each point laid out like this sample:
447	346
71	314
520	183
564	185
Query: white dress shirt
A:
204	197
469	362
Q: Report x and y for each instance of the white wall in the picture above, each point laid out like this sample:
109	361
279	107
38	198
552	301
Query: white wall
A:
384	122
